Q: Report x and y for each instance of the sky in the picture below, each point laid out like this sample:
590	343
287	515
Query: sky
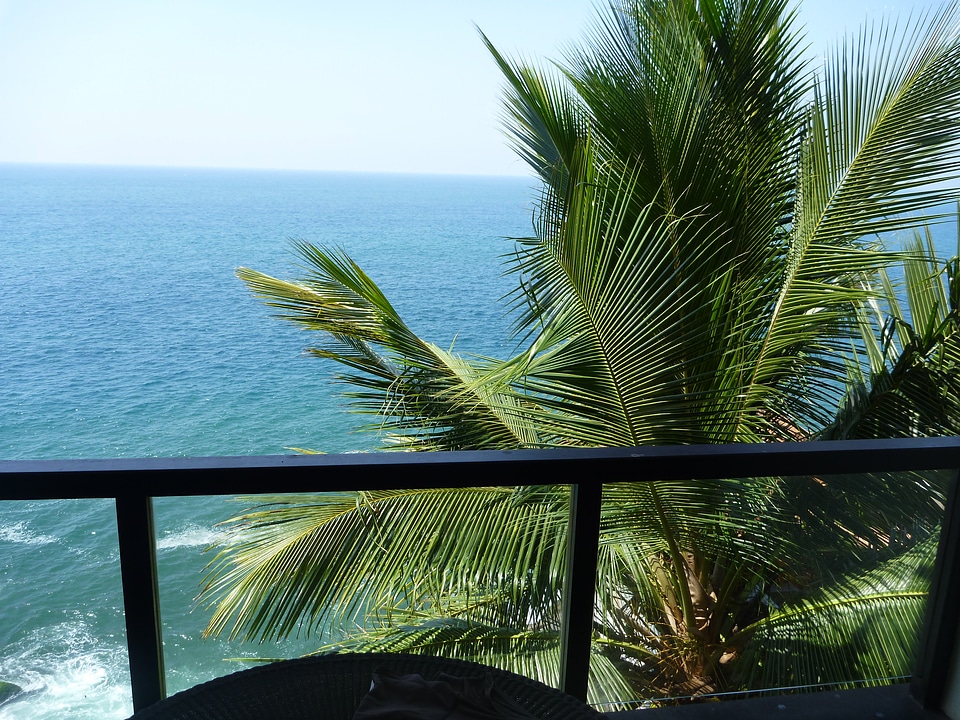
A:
368	85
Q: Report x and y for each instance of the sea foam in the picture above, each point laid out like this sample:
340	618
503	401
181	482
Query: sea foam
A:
20	533
189	536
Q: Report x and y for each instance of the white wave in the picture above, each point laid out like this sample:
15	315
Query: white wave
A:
78	688
67	673
20	533
189	536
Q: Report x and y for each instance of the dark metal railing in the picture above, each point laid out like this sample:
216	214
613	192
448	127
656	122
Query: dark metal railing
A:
133	484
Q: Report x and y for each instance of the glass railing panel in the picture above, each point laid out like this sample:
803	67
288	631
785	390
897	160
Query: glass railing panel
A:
471	573
723	589
189	536
62	632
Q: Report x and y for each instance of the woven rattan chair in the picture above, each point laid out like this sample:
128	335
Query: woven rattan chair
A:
330	687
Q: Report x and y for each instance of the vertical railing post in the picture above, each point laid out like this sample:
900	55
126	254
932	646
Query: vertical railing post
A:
576	629
938	640
141	599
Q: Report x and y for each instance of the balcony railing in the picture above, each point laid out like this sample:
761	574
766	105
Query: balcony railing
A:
133	484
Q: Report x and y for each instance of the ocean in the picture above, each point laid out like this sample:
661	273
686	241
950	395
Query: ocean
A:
124	333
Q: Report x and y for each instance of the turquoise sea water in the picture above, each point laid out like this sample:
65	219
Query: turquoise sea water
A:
124	333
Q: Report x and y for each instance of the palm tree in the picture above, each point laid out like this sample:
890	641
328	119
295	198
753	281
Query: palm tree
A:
705	268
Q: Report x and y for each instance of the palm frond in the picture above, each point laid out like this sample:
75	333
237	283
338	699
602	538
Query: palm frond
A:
884	126
911	386
544	121
431	398
863	628
611	300
299	564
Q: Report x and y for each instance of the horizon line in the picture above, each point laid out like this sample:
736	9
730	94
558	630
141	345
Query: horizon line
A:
331	171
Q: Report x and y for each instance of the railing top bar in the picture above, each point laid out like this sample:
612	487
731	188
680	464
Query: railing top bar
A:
38	479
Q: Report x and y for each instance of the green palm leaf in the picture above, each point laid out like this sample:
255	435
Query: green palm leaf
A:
430	398
864	628
911	386
347	556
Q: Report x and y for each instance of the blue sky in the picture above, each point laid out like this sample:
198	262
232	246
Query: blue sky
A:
360	85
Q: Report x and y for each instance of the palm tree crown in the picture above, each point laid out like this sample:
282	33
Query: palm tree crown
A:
704	268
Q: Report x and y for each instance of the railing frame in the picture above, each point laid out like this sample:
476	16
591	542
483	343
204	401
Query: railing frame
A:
133	484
